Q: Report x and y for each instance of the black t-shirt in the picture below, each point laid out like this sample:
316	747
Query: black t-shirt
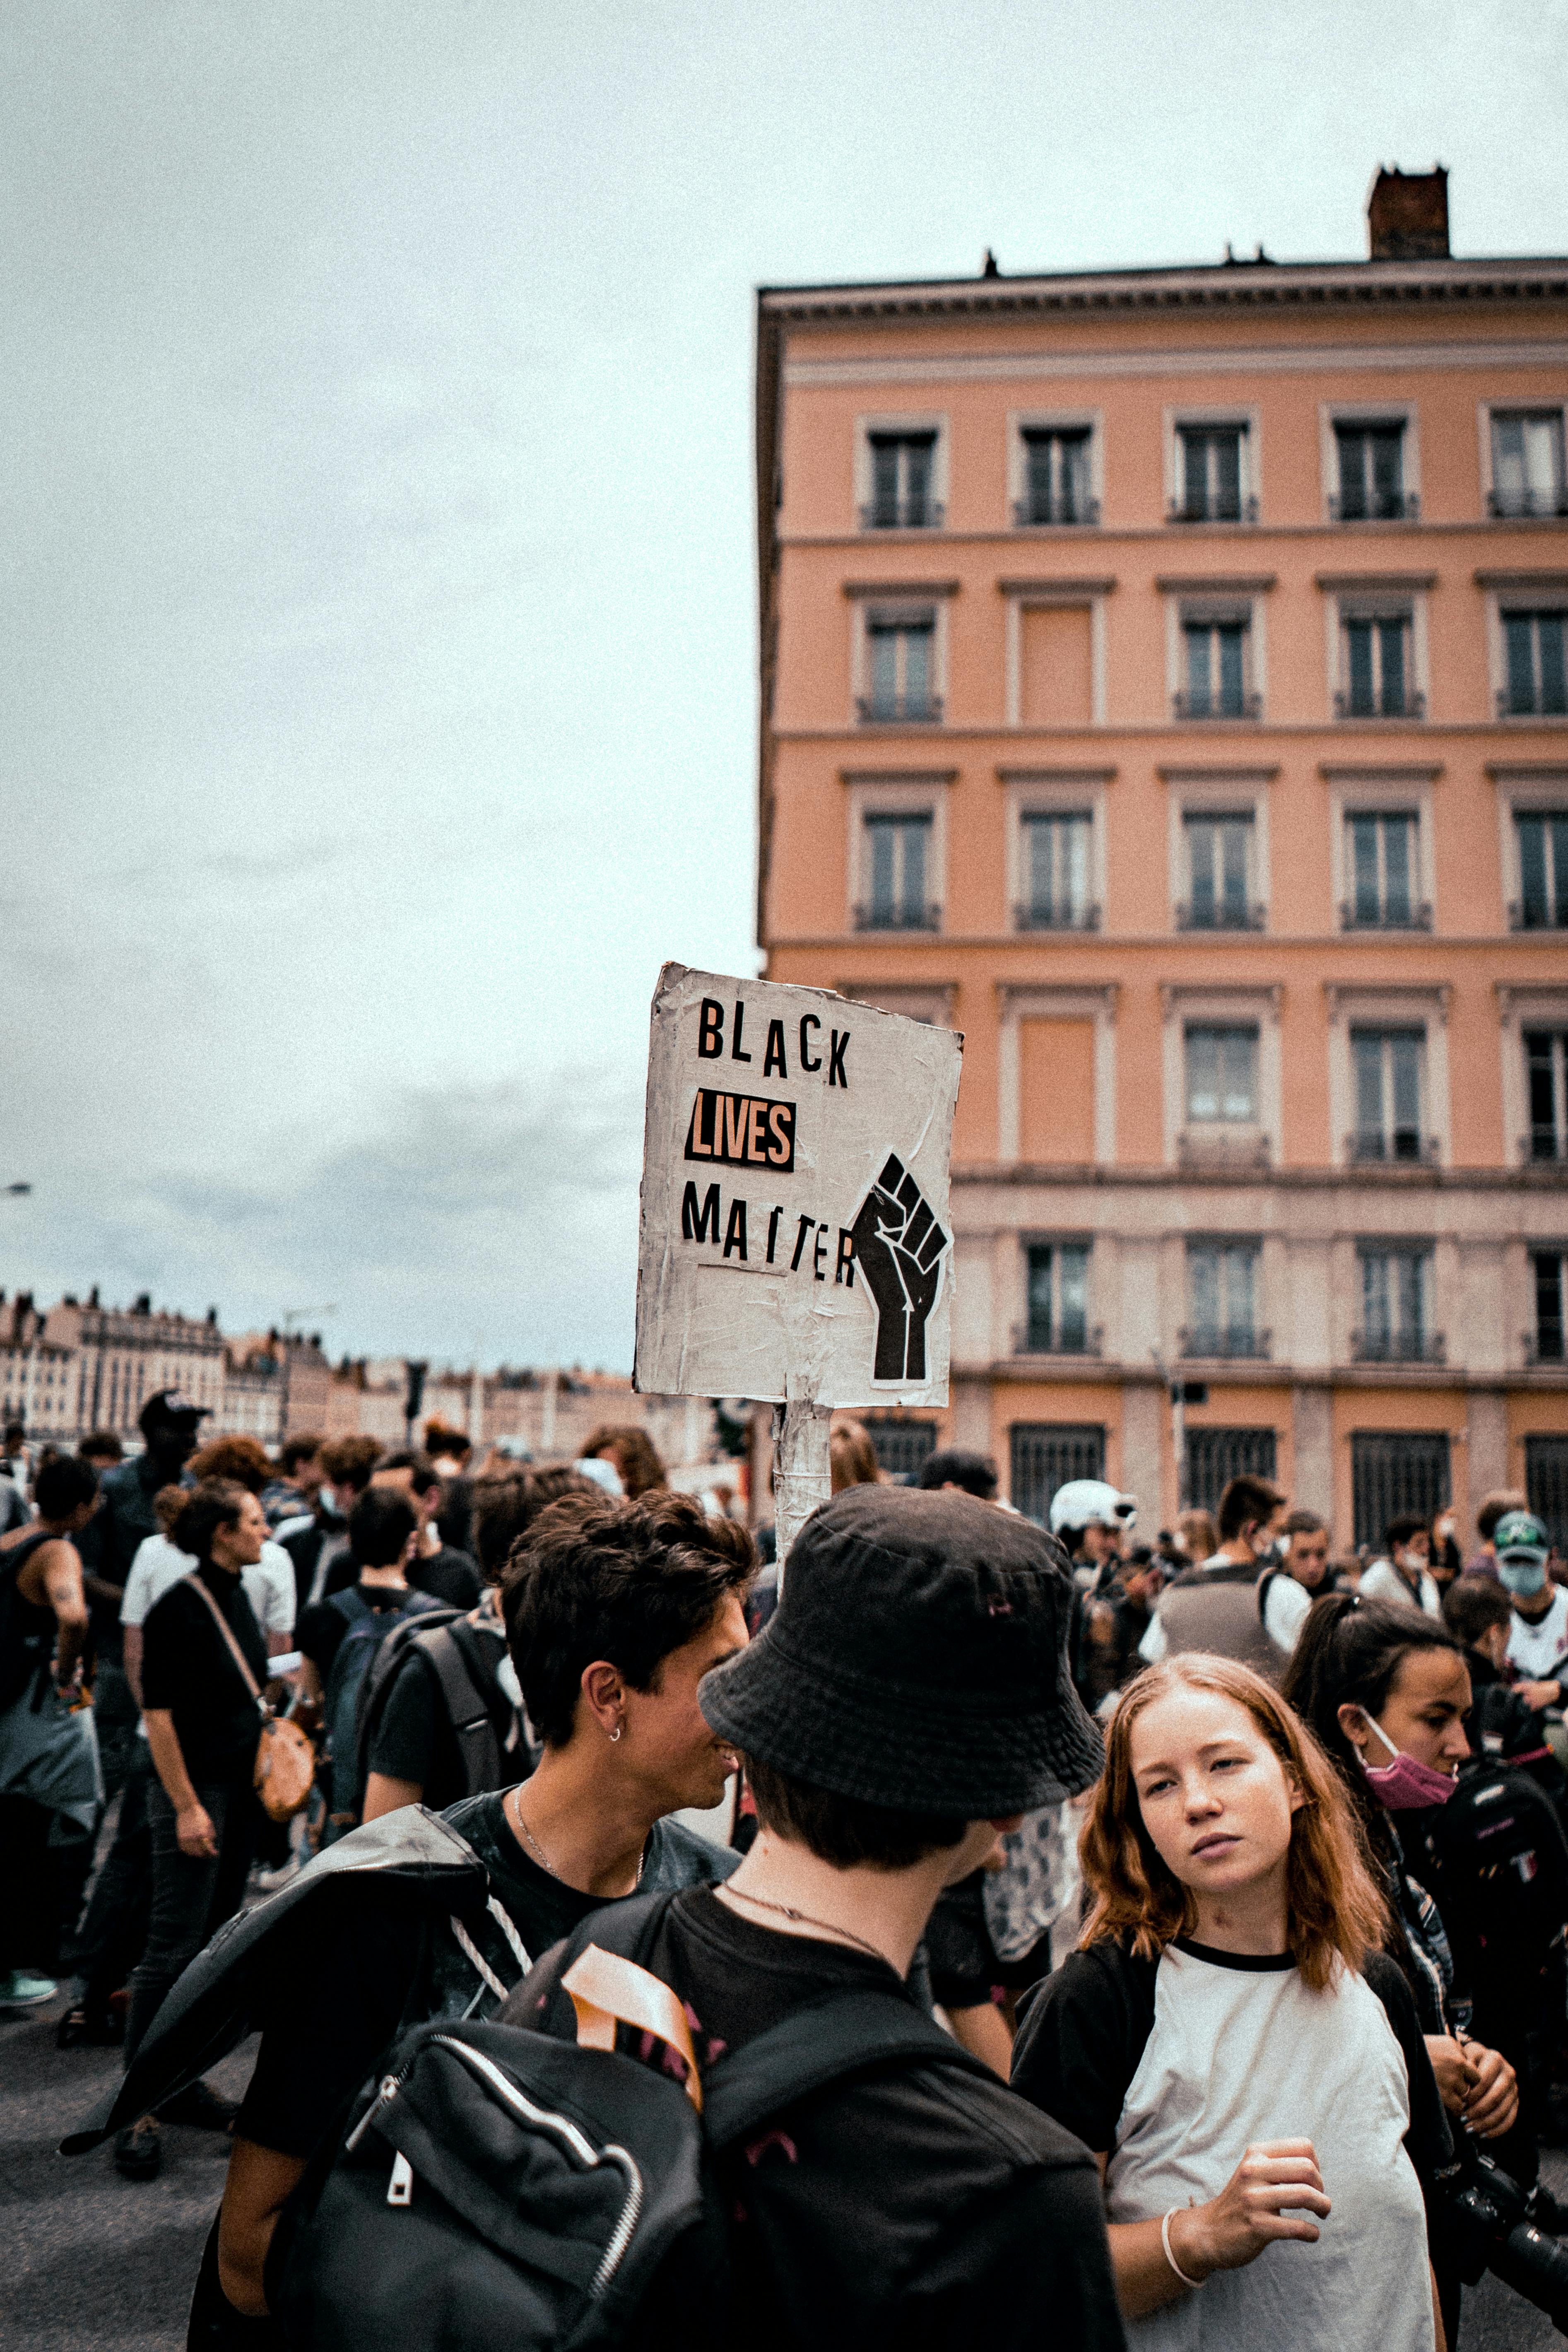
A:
449	1576
413	1739
188	1668
363	1958
925	2209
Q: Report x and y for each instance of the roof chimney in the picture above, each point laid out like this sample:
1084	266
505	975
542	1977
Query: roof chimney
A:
1408	215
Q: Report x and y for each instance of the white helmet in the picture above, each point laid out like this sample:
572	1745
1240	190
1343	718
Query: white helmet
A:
1084	1502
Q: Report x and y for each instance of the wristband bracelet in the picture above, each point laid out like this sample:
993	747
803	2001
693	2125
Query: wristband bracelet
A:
1170	2257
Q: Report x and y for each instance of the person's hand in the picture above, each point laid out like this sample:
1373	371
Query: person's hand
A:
1454	2069
1274	2178
1493	2104
1539	1695
197	1837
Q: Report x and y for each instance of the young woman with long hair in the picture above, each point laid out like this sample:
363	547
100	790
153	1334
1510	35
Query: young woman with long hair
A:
1232	2044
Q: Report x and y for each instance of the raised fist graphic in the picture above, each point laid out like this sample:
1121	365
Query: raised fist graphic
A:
898	1248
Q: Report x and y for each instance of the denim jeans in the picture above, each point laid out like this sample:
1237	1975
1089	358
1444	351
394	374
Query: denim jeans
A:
190	1898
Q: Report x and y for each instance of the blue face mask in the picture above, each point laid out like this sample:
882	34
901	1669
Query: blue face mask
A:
1523	1578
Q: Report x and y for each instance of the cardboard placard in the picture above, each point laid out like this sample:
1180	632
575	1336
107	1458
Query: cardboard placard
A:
795	1241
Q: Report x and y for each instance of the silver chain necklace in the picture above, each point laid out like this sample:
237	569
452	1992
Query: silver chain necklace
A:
533	1841
804	1919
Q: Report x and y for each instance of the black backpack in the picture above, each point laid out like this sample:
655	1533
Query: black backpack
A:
1502	1877
451	1649
500	2191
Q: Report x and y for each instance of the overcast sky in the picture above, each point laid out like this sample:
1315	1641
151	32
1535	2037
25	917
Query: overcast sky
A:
377	698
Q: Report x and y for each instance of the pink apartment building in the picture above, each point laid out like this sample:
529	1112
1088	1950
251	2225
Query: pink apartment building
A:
1164	683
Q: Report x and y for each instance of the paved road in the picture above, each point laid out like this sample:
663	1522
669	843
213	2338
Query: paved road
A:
90	2262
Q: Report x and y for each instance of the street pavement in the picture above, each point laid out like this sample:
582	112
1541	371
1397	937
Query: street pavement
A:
90	2262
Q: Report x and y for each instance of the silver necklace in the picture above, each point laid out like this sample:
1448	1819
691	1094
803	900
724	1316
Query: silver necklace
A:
539	1850
804	1919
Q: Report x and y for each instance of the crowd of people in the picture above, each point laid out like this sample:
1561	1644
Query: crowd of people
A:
1147	1943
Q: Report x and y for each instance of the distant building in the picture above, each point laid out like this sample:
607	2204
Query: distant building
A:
1164	681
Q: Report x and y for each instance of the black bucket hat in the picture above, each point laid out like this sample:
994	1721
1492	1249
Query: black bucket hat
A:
917	1660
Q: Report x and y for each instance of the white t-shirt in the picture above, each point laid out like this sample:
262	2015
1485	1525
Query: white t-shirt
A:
1238	2050
158	1564
1285	1607
1537	1649
1383	1582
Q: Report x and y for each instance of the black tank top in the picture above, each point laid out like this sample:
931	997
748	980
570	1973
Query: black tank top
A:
27	1629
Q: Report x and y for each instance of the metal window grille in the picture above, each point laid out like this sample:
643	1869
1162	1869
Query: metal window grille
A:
901	1447
1394	1473
1546	1483
1215	1457
1046	1455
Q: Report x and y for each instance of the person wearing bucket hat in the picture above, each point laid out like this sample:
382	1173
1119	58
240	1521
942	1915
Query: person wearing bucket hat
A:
909	1699
1538	1638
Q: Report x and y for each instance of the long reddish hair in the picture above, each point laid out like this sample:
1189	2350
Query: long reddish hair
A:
1332	1909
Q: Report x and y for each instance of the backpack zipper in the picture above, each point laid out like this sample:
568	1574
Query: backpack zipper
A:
583	2149
390	2087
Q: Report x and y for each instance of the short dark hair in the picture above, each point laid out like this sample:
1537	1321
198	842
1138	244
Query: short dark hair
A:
846	1831
215	1502
440	1437
1496	1506
975	1474
1472	1605
625	1582
1400	1530
379	1527
304	1446
1306	1523
348	1461
15	1429
63	1484
506	1504
408	1457
1246	1502
101	1445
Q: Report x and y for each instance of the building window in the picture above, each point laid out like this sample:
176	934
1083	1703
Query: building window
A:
1220	864
1048	1454
1222	1300
1387	1064
1222	1075
1546	1087
1381	854
1058	1299
1393	1307
1541	837
1548	1348
1057	872
898	870
1546	1483
1372	474
1211	465
903	483
901	670
1056	477
1527	465
1537	673
1215	1457
1396	1474
1214	668
901	1447
1375	664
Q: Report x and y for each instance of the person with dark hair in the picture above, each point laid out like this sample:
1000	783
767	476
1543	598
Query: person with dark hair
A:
1493	1507
630	1452
1503	1721
451	1575
1115	1620
203	1725
450	1453
910	1700
1403	1576
1230	2040
102	1449
1538	1638
320	1551
340	1637
1385	1688
1215	1605
288	1498
615	1611
952	1470
43	1629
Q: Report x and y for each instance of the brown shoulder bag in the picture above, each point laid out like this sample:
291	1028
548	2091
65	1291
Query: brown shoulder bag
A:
285	1759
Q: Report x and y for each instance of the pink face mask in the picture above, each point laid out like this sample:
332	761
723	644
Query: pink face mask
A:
1407	1784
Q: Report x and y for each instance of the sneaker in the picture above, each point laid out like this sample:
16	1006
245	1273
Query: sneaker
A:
138	2152
23	1990
201	2107
270	1882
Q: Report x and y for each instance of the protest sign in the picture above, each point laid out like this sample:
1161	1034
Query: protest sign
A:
796	1242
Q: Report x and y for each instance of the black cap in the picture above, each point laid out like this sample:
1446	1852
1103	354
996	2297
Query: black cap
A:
167	1409
917	1660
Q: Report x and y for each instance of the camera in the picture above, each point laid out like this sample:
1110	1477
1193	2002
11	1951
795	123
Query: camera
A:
1492	2231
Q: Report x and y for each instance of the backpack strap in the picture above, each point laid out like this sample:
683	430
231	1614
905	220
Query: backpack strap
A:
833	2040
467	1708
